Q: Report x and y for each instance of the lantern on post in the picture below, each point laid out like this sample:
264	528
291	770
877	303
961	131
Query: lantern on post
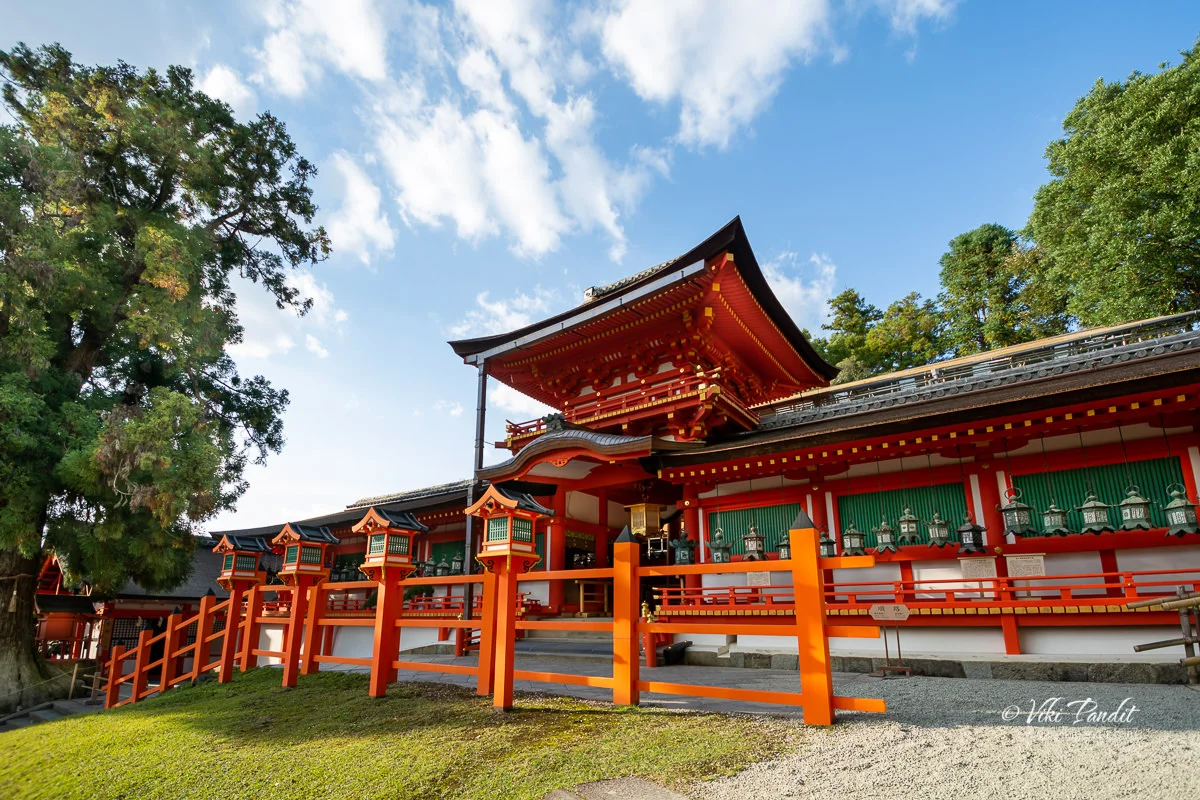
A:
239	562
1181	512
828	546
885	538
1018	517
909	528
970	537
304	548
852	541
1054	521
753	541
1095	515
939	531
719	547
508	522
390	537
1135	510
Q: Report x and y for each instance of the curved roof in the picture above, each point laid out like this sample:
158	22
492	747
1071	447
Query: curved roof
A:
732	238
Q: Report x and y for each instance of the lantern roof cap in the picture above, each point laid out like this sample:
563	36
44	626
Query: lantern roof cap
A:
511	499
247	544
295	532
384	518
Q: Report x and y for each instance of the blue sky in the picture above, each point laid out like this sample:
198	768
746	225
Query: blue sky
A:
484	162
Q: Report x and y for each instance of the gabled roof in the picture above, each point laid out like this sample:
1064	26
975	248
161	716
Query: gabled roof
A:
401	520
731	238
608	445
251	544
414	497
306	533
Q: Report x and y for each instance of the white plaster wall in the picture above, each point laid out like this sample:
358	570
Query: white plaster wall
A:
270	637
889	572
538	590
411	638
1081	563
761	643
1155	558
927	641
351	643
1090	642
583	507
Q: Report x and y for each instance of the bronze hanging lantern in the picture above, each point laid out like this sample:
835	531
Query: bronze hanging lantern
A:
1095	515
828	546
909	528
1135	510
1018	517
785	547
852	541
753	541
885	538
1181	512
1054	521
939	530
970	537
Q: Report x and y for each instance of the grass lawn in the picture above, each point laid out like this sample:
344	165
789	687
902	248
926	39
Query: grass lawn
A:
328	739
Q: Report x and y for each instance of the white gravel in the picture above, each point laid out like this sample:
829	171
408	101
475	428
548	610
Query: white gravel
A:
947	738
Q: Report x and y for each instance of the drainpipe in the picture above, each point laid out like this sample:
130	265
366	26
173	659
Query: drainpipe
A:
473	487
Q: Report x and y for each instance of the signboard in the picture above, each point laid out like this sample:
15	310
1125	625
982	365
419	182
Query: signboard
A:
758	579
889	612
978	567
1032	565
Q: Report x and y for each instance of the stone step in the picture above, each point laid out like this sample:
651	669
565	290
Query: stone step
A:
45	715
16	723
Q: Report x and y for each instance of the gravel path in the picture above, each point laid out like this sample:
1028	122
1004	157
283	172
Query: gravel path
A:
953	739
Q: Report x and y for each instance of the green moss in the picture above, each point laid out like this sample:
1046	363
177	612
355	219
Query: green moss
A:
327	738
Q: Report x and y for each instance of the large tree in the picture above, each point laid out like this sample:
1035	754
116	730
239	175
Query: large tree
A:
128	200
979	292
1120	220
909	334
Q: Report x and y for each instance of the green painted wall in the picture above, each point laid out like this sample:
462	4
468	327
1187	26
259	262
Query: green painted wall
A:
866	510
773	522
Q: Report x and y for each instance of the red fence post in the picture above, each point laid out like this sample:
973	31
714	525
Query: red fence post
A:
487	636
167	671
204	626
295	631
233	617
112	693
505	635
816	680
312	630
139	665
387	640
626	593
254	605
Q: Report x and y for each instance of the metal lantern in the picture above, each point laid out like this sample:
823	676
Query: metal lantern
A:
428	568
970	537
885	538
456	564
828	546
443	568
684	550
1054	521
1018	517
719	547
909	528
939	530
785	547
644	518
1095	515
753	543
1135	511
853	541
1181	512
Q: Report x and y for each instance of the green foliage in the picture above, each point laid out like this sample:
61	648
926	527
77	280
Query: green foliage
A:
908	334
327	738
1120	220
127	200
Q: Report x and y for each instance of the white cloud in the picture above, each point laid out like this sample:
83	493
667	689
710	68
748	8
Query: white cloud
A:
520	406
452	408
223	83
309	35
905	15
313	345
500	316
359	226
269	331
721	65
806	299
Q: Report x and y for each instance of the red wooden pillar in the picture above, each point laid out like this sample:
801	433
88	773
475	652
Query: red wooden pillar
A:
989	499
691	528
602	536
254	605
626	594
1108	563
556	547
294	636
387	639
487	636
233	618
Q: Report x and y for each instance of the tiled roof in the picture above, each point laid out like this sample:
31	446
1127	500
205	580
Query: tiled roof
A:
414	494
599	292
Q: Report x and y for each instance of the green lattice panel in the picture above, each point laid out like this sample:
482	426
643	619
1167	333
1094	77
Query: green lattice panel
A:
867	509
772	521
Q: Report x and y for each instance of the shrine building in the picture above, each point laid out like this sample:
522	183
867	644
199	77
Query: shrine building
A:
1017	501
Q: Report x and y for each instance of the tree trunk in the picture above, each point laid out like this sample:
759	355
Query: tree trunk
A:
23	675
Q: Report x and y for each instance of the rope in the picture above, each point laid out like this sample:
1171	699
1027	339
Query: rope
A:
17	577
30	686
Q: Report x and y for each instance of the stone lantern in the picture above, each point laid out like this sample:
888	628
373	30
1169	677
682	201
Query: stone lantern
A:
390	537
